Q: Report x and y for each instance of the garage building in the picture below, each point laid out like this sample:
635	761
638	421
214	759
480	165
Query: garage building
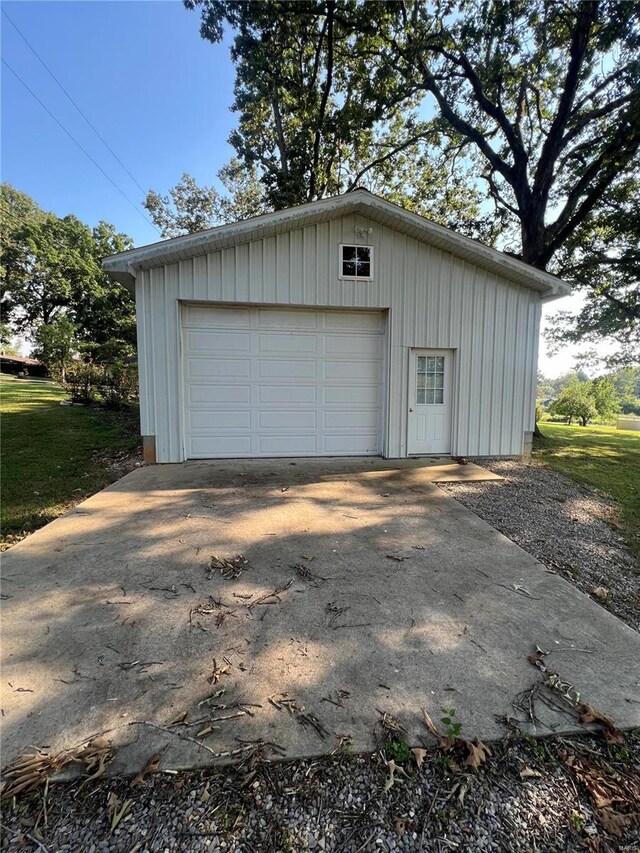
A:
343	327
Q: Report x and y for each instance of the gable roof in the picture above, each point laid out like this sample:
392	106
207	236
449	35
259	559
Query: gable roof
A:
124	266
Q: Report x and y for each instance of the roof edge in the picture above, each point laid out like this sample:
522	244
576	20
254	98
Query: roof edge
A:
124	265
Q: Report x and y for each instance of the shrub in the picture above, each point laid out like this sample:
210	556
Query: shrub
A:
119	386
83	382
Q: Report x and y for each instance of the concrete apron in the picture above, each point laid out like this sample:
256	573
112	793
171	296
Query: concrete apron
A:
100	624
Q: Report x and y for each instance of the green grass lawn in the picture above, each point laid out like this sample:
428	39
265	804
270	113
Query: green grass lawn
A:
604	458
52	455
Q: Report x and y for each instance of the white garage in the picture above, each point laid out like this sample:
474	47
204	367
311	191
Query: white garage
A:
274	382
346	326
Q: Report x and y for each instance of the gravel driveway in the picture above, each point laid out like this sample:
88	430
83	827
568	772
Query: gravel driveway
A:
564	525
529	797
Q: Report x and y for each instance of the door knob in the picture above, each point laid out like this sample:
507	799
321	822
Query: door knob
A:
410	410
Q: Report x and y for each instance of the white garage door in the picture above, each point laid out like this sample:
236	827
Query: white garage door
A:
282	382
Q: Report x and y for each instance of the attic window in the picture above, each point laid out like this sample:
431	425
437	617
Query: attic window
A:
356	262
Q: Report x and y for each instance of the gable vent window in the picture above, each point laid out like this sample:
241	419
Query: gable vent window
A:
356	262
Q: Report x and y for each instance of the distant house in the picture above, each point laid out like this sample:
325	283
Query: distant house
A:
16	364
347	326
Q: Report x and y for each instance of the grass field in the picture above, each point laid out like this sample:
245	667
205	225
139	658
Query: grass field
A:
52	455
604	458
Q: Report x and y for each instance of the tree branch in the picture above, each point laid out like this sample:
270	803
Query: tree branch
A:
587	13
328	83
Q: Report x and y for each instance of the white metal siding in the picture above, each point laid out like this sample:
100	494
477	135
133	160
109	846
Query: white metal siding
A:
435	301
281	382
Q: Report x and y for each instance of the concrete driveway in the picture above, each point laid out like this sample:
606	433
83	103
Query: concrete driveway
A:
367	590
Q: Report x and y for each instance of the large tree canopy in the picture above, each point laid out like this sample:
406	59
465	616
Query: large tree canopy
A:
305	128
51	267
536	104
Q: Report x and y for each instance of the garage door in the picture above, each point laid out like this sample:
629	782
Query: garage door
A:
275	382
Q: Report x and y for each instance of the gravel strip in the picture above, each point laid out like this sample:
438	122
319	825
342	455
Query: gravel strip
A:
563	524
525	798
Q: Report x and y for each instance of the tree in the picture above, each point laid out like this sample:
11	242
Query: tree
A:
305	123
51	266
55	345
605	398
6	340
103	310
521	87
575	401
538	101
627	384
190	207
605	252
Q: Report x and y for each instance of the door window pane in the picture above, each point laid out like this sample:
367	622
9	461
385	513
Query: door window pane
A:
430	379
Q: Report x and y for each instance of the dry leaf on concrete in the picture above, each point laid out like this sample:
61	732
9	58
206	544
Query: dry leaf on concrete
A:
179	719
230	567
426	719
589	714
218	672
152	766
445	742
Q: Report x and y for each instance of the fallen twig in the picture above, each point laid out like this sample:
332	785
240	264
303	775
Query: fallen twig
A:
270	597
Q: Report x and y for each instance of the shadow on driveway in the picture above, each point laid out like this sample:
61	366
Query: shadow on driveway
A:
113	615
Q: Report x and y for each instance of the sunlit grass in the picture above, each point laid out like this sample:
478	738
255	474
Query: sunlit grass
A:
604	458
48	452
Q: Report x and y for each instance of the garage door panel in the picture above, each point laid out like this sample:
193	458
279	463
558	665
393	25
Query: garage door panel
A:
212	368
346	443
204	394
288	445
286	369
358	346
199	316
287	394
352	395
282	382
287	420
207	420
209	447
287	343
286	319
222	342
356	419
357	371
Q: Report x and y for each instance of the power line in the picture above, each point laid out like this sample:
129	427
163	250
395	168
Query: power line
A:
84	150
53	76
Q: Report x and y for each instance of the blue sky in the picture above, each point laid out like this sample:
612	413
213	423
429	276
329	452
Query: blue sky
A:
158	94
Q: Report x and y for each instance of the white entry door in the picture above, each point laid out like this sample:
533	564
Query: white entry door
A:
430	401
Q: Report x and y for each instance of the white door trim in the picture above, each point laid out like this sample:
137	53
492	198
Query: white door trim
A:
429	426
